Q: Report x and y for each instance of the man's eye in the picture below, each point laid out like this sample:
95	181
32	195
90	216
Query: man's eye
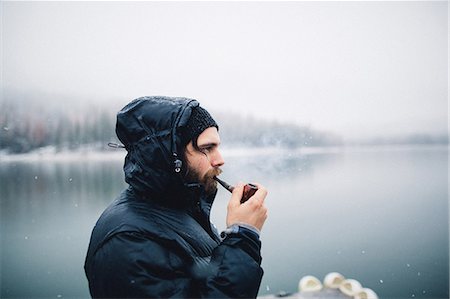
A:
206	149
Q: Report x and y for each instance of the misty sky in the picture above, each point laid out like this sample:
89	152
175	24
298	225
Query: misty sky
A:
353	68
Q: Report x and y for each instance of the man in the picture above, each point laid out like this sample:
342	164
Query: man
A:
156	239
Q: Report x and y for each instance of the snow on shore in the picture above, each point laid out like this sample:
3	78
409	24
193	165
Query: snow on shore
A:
50	153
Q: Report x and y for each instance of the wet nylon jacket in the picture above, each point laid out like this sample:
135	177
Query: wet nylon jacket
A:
156	240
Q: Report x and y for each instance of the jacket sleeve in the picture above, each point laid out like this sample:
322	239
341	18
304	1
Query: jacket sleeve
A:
235	270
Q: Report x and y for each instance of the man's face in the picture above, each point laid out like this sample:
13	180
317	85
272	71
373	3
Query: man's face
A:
204	161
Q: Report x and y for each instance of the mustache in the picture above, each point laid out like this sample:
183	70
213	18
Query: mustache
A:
212	173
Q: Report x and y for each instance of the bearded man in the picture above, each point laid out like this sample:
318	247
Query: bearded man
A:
156	239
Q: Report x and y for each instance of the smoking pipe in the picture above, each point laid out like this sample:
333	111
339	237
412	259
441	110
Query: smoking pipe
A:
249	189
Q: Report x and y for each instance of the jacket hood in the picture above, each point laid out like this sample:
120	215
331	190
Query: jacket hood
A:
150	130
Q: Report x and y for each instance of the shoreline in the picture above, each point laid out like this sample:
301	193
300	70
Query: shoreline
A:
90	154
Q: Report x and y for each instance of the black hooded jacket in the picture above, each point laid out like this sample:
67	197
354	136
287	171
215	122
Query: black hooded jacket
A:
156	240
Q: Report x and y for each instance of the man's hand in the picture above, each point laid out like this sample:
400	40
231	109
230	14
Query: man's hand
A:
252	212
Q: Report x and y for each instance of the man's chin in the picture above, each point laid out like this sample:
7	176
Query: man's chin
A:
210	186
207	181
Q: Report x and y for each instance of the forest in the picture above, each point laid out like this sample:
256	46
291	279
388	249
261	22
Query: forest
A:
26	126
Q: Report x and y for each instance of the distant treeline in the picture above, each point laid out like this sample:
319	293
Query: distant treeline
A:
249	131
25	127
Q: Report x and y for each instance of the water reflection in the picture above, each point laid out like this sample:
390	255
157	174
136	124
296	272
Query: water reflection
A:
47	212
379	217
366	214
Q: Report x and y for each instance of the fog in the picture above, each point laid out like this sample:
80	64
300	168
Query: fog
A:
291	84
357	69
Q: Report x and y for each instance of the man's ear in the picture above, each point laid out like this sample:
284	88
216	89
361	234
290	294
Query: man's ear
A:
188	148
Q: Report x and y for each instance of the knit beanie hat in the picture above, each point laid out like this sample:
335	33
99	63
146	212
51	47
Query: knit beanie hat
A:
199	121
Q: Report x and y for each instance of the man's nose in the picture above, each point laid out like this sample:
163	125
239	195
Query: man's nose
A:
217	160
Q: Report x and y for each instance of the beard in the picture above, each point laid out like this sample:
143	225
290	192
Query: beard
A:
206	180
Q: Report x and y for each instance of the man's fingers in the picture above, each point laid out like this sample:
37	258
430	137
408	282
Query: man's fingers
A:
237	194
261	193
252	212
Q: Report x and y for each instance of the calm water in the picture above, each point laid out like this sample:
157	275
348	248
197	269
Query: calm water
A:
379	216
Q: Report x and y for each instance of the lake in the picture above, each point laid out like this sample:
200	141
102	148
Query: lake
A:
378	215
